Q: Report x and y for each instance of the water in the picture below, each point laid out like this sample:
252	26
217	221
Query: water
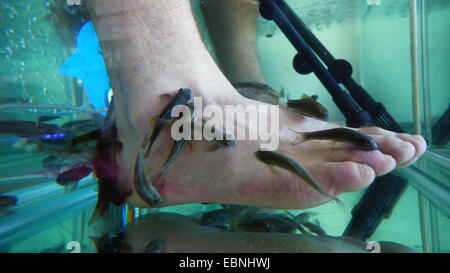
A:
38	37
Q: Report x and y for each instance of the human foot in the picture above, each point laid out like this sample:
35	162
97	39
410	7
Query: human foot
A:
234	175
177	59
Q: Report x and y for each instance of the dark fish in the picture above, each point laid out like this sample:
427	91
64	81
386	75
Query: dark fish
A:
143	186
73	175
174	152
265	222
303	220
227	139
105	167
7	200
257	91
28	129
308	107
285	162
183	96
216	218
176	147
354	137
314	228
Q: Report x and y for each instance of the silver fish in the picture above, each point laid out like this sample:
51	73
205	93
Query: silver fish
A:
354	137
257	91
285	162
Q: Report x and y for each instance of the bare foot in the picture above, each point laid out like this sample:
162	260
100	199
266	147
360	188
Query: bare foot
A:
170	55
234	175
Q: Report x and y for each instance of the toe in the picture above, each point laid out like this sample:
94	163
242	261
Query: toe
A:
342	176
401	151
381	163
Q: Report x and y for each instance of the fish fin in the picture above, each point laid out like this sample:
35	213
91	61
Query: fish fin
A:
73	187
98	213
338	202
304	96
102	207
299	138
314	97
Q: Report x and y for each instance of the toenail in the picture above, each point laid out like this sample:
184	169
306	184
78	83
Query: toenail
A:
418	137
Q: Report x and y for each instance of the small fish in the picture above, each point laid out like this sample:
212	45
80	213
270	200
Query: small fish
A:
216	218
143	187
354	137
7	200
314	228
257	91
174	152
176	147
227	139
183	96
27	129
303	219
105	167
308	106
265	222
285	162
297	221
73	175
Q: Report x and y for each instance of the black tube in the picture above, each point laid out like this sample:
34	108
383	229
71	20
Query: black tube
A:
380	197
354	115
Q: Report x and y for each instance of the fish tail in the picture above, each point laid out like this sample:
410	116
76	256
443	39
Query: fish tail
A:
101	209
339	202
300	137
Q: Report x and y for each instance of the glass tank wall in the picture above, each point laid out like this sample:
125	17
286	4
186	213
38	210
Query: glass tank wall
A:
38	37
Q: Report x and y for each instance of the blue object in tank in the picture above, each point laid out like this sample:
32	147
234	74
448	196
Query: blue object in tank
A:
87	64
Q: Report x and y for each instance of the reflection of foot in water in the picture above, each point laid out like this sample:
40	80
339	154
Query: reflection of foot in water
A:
170	55
170	232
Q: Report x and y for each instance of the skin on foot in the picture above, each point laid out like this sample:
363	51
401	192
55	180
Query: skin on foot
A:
234	175
153	48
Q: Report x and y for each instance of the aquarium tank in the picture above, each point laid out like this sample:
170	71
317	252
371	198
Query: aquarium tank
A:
54	87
